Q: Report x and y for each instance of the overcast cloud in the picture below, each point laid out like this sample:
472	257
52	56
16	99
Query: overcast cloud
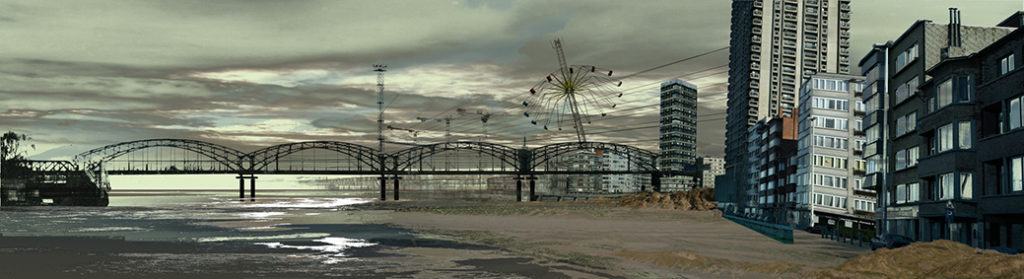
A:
80	74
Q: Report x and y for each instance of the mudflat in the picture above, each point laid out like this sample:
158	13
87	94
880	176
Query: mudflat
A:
593	239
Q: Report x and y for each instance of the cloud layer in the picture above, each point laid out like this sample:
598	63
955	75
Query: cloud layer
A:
82	74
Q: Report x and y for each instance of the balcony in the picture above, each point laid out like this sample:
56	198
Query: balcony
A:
867	214
844	7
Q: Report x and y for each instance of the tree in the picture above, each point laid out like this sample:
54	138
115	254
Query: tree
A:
10	146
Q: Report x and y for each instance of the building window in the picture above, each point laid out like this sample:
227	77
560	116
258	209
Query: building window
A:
955	89
901	159
830	181
863	205
1006	64
831	142
966	185
943	139
1016	174
872	134
906	57
832	104
944	93
1015	117
914	194
945	186
912	156
906	90
901	193
906	124
964	135
832	123
829	84
901	125
830	162
906	158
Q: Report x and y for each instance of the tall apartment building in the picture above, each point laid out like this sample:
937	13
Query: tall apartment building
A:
830	169
619	183
595	160
774	46
713	166
898	139
677	140
772	144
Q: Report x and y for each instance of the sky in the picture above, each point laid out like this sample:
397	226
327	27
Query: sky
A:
76	75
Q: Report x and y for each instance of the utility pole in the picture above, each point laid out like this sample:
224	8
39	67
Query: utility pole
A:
380	69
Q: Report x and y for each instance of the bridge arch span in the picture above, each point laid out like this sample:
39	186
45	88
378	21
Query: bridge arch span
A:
226	156
502	159
542	158
366	159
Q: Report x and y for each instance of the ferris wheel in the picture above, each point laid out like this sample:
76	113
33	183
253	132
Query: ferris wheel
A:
571	96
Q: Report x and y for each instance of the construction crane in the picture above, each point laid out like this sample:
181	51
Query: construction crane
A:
570	91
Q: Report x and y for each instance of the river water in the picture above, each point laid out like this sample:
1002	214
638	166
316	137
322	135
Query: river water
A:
290	233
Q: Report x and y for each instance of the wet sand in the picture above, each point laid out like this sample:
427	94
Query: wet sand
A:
448	239
598	240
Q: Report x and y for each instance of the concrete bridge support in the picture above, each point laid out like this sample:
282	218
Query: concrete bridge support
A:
252	187
519	189
383	188
396	178
656	181
241	186
533	188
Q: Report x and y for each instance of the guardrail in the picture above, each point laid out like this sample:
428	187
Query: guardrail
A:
778	232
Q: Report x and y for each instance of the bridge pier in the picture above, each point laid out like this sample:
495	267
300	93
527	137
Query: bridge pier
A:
383	188
533	188
519	189
396	178
252	187
241	187
656	182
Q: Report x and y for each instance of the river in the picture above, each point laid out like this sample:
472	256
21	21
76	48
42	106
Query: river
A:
289	232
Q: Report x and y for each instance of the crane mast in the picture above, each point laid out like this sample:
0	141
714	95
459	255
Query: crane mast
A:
570	91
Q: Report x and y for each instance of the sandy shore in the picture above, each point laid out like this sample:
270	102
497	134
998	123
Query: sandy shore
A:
599	240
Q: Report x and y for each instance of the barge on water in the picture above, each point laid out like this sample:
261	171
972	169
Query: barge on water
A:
53	183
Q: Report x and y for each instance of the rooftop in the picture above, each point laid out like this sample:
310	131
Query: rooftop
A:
679	82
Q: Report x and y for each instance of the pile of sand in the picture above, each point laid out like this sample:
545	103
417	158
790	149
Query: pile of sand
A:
691	261
699	199
936	259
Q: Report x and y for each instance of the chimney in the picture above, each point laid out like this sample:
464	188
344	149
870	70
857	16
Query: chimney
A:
954	39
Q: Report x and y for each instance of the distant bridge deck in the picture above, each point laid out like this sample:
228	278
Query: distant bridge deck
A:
150	157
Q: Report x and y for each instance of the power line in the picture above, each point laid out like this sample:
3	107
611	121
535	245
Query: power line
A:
675	62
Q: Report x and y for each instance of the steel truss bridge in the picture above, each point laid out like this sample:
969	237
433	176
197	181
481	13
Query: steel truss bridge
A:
342	158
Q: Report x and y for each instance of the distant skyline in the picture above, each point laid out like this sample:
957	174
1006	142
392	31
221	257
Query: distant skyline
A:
76	75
